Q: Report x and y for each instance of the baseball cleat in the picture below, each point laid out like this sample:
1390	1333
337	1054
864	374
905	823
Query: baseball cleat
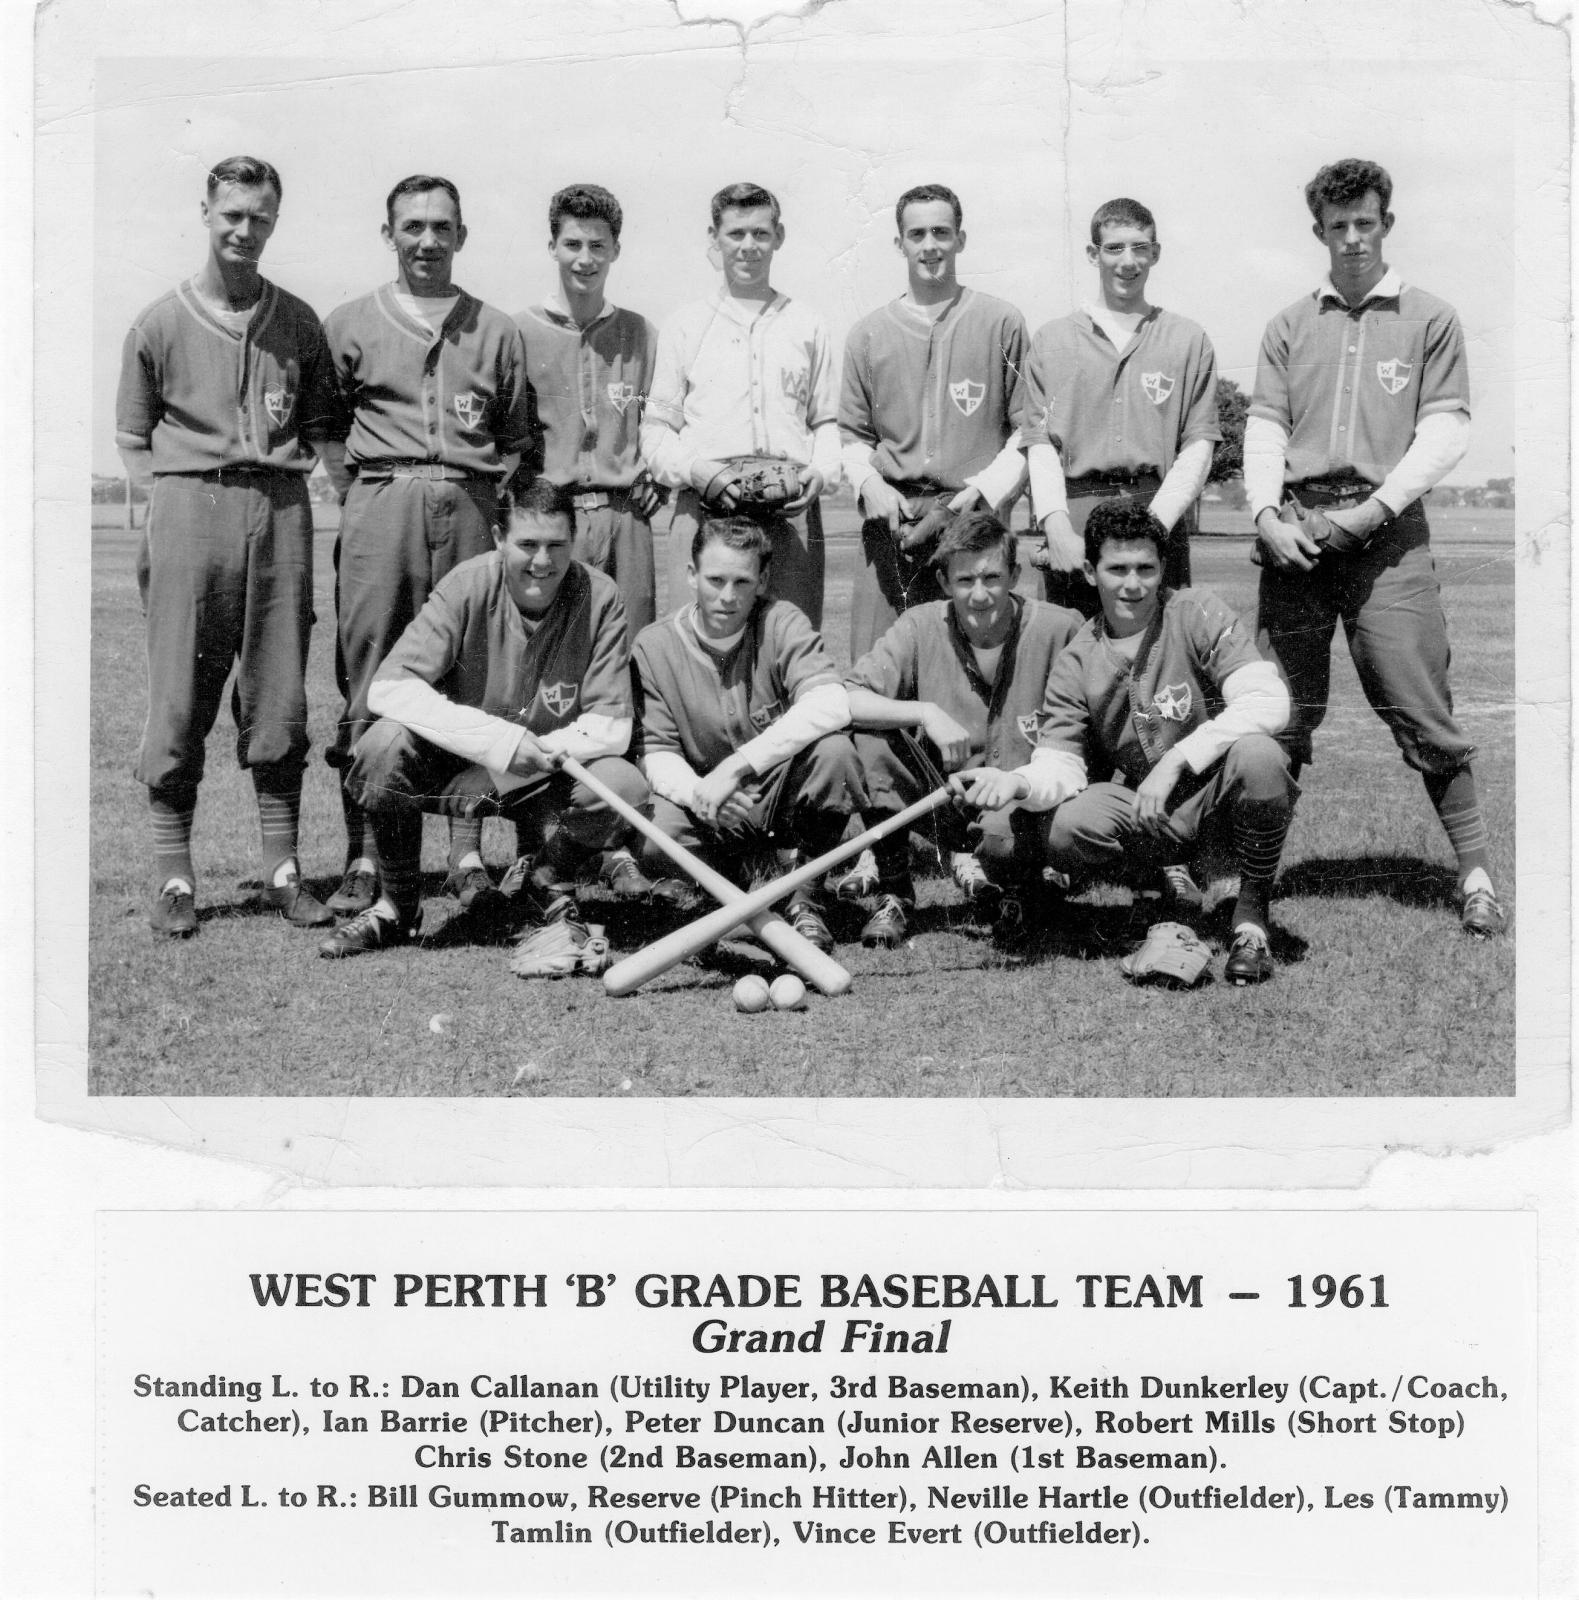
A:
1481	917
860	881
299	908
1181	891
887	926
365	932
174	913
971	878
621	874
356	894
1249	958
805	917
677	895
515	877
475	890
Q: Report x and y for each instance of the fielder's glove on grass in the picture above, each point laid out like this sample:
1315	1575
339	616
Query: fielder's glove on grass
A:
561	949
1172	955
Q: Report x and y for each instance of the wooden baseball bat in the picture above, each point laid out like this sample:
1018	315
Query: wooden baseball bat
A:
635	970
817	967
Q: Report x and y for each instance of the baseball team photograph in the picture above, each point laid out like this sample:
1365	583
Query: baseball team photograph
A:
762	590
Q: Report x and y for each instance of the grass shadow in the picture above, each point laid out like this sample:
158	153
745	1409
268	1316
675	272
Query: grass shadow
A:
1404	879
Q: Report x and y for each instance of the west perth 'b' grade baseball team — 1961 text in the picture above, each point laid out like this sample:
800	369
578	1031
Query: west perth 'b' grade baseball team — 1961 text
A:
497	645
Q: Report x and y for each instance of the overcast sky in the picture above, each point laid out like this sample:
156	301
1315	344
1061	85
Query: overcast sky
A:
1213	115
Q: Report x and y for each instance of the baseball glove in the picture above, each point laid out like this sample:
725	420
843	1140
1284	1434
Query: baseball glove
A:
761	483
1172	956
561	948
930	515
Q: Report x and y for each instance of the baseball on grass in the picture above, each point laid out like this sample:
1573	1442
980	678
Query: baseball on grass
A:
788	993
751	994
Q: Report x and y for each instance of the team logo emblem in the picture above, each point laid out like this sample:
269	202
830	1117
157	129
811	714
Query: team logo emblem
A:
967	396
796	386
1394	375
766	715
558	698
1158	386
621	395
277	402
1173	701
1029	725
469	408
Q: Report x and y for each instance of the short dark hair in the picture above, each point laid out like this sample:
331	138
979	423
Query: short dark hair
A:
536	497
972	532
1345	182
248	171
584	202
737	533
1121	213
1123	518
920	195
420	183
744	197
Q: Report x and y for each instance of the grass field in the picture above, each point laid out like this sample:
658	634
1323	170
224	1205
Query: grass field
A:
1377	992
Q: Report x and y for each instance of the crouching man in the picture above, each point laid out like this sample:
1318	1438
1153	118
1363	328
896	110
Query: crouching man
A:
1165	690
967	673
517	657
741	708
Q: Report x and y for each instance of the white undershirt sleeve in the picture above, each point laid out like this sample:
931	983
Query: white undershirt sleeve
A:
1047	481
825	454
856	456
670	775
591	735
1438	446
1053	776
1184	482
669	461
1266	453
824	708
1004	476
473	735
1254	701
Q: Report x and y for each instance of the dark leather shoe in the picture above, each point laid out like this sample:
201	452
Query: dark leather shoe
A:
295	904
174	914
365	933
1481	916
1249	958
356	894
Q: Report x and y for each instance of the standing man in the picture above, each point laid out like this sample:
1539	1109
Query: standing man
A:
968	674
747	376
1361	406
741	712
515	658
932	393
440	410
590	365
1122	400
225	384
1166	692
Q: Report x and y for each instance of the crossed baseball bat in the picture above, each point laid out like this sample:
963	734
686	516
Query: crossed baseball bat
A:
736	905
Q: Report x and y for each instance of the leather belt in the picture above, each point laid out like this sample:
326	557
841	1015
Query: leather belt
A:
1324	495
1108	484
589	499
236	474
383	471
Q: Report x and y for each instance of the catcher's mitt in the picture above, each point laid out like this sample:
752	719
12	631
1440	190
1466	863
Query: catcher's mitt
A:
1172	955
761	483
561	948
929	516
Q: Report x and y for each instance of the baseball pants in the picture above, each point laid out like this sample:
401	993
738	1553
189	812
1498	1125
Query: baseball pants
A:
615	540
889	580
1093	834
398	537
796	572
805	802
894	780
1071	588
396	775
1391	606
229	583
